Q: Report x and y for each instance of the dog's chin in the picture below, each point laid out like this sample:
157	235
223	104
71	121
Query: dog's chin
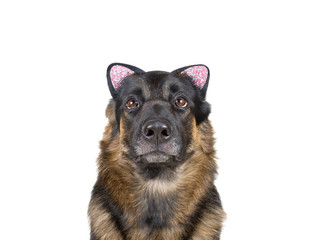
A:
156	157
157	164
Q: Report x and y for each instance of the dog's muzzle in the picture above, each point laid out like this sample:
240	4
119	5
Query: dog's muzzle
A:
157	142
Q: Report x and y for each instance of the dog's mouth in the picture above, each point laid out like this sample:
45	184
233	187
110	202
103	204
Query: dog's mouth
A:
156	157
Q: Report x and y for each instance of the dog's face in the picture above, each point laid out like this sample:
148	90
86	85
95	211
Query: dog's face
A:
157	114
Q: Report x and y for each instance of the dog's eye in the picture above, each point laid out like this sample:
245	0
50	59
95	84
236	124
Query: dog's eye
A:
132	103
181	102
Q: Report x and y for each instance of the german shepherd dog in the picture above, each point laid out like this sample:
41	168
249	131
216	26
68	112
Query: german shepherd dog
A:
157	166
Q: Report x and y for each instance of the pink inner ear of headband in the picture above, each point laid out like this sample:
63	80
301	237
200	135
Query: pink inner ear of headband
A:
199	74
118	73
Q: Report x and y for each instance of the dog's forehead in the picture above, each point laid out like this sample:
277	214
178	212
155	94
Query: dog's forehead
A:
156	84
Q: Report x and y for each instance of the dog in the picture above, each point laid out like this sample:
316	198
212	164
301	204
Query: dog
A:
157	167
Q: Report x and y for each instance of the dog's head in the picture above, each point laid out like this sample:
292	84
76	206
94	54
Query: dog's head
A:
157	113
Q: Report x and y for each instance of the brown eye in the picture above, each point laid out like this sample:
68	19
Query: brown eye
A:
132	103
181	102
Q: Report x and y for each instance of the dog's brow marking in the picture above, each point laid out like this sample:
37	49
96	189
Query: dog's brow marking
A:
146	89
166	90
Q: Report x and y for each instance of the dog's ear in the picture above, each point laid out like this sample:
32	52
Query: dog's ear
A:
116	72
200	76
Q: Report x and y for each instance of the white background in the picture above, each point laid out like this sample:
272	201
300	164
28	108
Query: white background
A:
264	58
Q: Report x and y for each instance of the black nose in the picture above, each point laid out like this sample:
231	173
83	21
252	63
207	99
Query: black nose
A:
157	130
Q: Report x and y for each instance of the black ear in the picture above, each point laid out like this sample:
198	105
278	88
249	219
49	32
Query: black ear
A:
199	74
116	72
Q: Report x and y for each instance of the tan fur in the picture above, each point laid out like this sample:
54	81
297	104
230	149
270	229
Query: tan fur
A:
102	220
210	221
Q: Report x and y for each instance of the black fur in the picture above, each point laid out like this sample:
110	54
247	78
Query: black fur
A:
158	210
